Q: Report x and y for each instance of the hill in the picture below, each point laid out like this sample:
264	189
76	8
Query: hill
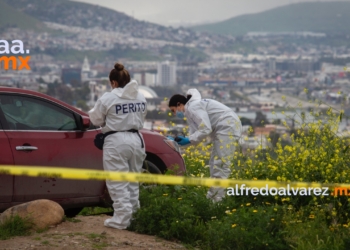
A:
326	17
86	15
10	17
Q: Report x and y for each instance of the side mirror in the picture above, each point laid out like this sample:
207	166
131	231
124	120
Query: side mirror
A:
86	122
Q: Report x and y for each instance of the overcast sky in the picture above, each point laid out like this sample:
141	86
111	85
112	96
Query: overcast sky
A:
186	12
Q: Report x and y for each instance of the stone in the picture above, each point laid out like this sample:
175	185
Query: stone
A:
43	213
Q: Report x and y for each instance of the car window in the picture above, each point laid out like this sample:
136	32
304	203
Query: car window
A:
26	113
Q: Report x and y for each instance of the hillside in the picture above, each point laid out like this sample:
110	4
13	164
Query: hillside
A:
325	17
10	17
85	15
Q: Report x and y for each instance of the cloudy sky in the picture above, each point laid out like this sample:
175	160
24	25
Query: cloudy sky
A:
187	12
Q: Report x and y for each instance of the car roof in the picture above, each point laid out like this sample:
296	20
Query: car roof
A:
38	94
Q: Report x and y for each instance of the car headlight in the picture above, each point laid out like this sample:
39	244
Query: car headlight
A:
173	145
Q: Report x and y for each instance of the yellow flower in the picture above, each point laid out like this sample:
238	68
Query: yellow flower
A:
312	216
255	211
179	198
234	225
272	219
165	194
248	204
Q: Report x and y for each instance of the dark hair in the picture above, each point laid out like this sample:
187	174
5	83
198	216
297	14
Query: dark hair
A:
175	99
119	74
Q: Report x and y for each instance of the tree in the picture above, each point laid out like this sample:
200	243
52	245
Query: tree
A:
64	93
274	138
82	104
82	93
246	121
260	119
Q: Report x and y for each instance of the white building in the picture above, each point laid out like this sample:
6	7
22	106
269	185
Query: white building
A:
85	70
149	79
166	72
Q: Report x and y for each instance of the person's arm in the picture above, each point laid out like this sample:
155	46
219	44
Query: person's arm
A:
201	119
98	114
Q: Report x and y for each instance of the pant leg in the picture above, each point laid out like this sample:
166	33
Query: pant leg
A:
220	167
135	163
221	158
116	159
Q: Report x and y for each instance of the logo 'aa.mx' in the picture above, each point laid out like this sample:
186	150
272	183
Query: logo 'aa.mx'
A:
16	48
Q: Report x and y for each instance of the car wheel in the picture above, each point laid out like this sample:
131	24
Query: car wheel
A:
72	212
149	167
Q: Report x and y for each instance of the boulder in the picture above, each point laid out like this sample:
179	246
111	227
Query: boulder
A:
43	213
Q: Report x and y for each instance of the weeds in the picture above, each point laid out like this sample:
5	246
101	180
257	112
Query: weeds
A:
312	152
15	226
74	220
87	211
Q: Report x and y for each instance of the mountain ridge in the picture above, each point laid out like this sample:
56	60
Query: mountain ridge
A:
87	15
322	17
9	18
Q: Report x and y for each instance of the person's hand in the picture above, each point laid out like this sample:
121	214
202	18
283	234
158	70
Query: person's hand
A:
182	140
170	138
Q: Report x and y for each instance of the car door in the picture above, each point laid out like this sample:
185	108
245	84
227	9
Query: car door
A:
6	158
43	133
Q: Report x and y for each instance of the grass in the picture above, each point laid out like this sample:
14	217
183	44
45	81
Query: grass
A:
15	226
42	230
45	242
87	211
98	240
74	220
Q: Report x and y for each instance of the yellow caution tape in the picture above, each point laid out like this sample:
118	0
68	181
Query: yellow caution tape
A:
87	174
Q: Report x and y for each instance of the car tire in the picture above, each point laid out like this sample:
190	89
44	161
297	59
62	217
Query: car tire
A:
151	168
72	212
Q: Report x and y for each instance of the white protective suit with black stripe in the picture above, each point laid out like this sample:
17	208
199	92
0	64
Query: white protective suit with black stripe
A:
122	109
209	117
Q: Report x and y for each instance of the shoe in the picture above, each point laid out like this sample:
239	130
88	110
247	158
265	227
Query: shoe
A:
109	223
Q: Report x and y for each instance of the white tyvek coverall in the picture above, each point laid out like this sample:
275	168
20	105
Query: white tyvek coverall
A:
209	117
120	110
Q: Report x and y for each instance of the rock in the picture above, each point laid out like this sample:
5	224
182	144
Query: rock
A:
43	213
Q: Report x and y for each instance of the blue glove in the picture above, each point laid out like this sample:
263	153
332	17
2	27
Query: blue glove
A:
182	140
170	138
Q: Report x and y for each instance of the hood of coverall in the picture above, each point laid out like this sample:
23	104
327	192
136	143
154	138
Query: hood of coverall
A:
130	91
195	94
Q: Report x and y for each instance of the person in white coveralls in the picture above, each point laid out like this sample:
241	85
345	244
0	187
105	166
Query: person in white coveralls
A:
123	110
207	117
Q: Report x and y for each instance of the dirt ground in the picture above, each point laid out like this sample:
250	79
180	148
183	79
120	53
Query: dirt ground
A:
87	232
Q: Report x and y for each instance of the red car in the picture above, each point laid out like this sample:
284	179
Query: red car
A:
38	130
